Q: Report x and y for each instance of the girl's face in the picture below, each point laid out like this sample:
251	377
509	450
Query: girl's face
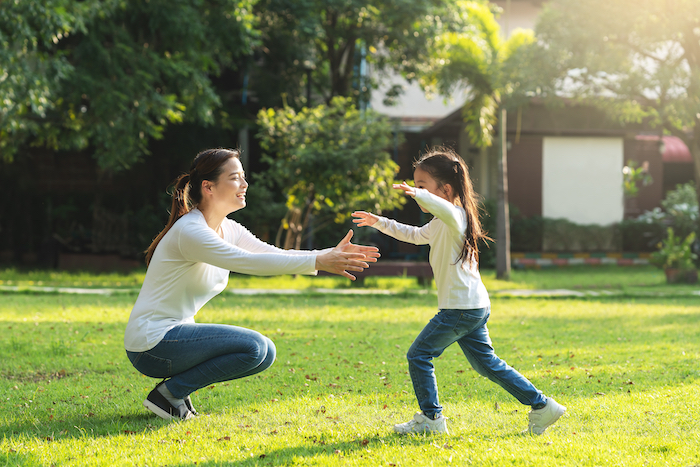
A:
422	179
230	188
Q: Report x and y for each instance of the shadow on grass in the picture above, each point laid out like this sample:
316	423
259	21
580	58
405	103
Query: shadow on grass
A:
335	452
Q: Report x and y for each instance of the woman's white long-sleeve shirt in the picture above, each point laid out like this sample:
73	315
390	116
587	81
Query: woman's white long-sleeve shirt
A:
191	265
458	283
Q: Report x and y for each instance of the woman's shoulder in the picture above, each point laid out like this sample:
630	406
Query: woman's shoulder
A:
192	221
232	225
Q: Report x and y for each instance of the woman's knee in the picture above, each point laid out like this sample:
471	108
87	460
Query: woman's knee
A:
270	353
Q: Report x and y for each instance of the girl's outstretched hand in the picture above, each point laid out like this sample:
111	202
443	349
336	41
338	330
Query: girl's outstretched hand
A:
407	189
364	219
347	257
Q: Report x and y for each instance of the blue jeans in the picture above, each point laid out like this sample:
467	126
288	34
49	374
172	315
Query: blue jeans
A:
194	356
468	329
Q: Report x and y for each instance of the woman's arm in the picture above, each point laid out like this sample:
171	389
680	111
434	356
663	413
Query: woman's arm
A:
246	240
199	243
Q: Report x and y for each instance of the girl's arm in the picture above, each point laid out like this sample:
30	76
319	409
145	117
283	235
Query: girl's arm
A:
453	216
403	232
447	212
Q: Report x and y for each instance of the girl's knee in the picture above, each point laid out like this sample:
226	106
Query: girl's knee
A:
414	354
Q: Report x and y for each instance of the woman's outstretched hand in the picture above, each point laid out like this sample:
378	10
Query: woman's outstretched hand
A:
371	252
347	257
364	219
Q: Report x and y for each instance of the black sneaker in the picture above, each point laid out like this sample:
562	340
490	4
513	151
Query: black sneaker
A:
190	407
159	405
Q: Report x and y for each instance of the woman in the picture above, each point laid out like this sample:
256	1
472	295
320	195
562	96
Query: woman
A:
188	264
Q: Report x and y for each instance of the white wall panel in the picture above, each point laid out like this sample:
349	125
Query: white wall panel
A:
582	179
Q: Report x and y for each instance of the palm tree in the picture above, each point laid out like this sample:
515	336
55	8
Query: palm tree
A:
491	71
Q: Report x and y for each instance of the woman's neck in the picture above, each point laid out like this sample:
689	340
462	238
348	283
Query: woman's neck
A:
212	217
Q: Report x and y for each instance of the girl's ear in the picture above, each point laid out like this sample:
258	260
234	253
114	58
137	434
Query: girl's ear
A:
447	189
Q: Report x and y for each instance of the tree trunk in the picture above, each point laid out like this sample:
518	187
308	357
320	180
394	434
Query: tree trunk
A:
502	217
694	147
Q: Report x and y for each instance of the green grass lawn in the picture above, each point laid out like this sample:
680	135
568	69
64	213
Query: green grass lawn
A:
627	369
629	279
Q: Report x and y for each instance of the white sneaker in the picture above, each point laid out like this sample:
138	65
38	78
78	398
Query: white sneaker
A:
541	419
423	424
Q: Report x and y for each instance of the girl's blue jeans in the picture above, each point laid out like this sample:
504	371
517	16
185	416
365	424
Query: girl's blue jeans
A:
468	329
194	356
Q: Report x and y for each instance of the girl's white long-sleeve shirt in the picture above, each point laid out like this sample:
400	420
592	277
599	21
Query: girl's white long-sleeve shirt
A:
191	265
458	283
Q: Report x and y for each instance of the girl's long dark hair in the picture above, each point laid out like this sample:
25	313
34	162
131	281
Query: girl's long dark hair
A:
187	191
446	167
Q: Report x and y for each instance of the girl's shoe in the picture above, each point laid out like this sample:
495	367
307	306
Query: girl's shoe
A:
541	419
423	424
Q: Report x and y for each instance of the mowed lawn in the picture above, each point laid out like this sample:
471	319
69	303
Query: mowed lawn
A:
627	369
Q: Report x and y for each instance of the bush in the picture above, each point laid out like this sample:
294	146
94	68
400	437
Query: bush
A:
675	252
640	235
564	235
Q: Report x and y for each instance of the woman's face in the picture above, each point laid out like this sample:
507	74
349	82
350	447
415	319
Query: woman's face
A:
230	188
422	179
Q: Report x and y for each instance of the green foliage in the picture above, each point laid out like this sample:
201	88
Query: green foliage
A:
327	39
680	211
641	236
638	60
564	235
112	74
675	253
633	176
330	158
475	58
681	197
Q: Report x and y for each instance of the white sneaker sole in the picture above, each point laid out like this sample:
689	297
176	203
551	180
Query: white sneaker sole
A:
157	410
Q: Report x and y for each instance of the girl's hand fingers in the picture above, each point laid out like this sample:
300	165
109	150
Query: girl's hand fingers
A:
407	189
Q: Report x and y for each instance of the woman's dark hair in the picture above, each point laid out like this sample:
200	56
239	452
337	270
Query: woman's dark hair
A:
446	167
187	192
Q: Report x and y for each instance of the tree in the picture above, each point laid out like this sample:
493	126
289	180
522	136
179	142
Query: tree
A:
112	74
639	60
325	41
492	72
328	159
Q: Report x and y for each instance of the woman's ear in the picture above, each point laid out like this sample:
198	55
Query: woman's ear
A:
206	186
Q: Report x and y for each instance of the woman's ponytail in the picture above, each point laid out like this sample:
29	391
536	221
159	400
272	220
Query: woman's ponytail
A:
180	206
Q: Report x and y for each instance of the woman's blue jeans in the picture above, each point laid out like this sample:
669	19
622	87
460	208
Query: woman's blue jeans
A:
194	356
468	329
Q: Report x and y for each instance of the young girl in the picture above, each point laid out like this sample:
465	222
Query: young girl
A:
444	189
189	264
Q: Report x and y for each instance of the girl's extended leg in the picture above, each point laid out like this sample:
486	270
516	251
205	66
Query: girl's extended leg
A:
477	347
435	337
194	356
